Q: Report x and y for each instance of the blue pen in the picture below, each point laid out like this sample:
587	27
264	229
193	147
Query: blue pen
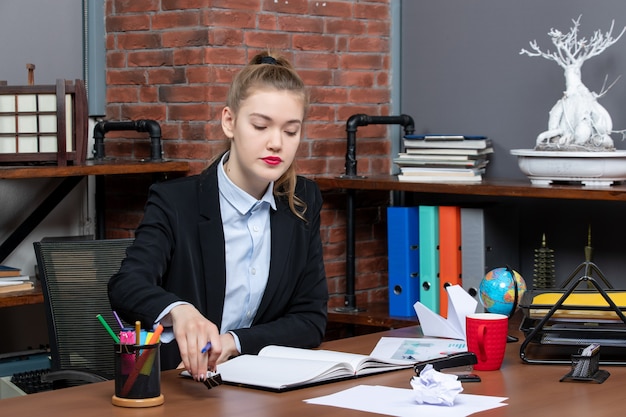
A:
206	348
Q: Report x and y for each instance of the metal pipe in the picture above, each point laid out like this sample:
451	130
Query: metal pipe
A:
357	120
152	127
352	125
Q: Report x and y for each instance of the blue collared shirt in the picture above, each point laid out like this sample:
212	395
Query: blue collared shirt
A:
247	235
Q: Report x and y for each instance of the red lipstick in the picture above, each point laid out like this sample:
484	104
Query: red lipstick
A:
272	160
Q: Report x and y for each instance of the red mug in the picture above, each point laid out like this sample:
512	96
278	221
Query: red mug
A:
486	335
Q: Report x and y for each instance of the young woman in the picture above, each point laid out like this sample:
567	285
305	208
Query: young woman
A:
233	256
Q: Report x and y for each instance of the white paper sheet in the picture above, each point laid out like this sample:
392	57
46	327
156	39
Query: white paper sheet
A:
460	305
400	402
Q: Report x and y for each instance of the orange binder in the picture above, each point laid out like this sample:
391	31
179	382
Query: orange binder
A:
449	253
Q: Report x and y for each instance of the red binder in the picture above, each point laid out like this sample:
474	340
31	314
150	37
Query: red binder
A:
449	253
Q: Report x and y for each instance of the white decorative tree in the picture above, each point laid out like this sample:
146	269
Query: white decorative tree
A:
577	121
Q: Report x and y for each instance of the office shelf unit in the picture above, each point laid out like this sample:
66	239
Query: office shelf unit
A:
71	176
488	191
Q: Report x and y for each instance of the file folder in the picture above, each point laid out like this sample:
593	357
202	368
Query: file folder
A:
429	256
473	251
403	259
489	239
449	253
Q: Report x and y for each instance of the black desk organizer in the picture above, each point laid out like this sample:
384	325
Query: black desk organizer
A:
585	368
559	340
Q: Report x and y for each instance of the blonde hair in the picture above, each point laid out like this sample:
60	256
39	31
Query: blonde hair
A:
268	70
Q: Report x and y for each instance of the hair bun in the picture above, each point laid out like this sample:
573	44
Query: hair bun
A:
269	60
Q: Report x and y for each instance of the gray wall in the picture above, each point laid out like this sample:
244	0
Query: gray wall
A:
49	34
46	33
462	71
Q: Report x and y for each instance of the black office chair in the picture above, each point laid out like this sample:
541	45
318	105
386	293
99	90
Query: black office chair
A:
74	274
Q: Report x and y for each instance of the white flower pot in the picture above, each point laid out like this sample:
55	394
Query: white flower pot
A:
589	168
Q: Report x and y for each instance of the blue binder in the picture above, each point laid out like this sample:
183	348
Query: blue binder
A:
429	257
403	259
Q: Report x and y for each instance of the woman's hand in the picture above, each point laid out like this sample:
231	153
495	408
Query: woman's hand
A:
192	332
229	348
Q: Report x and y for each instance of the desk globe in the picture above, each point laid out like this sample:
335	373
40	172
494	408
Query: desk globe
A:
497	290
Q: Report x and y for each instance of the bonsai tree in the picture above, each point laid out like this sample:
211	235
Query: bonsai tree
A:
577	121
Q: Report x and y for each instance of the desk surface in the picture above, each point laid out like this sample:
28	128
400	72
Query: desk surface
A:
532	390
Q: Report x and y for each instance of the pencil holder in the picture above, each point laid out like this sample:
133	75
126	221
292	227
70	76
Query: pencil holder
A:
137	376
585	368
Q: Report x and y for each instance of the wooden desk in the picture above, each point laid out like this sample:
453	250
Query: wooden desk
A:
532	390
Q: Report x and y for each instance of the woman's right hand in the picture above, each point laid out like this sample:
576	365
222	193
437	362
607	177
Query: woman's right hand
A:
192	332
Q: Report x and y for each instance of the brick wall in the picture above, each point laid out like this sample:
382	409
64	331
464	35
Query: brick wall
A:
172	61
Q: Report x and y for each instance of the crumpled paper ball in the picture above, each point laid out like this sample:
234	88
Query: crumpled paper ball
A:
434	387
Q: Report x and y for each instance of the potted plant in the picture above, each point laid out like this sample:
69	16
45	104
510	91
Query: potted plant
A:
577	146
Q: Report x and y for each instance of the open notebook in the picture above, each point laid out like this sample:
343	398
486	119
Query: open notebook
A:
279	368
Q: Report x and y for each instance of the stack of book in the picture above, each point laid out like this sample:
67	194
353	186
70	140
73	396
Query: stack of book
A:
12	280
444	158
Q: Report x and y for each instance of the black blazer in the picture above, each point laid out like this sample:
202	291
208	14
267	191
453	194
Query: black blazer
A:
178	254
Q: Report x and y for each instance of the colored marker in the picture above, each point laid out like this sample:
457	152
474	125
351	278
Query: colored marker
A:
156	335
127	337
206	348
151	338
107	328
138	333
118	319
